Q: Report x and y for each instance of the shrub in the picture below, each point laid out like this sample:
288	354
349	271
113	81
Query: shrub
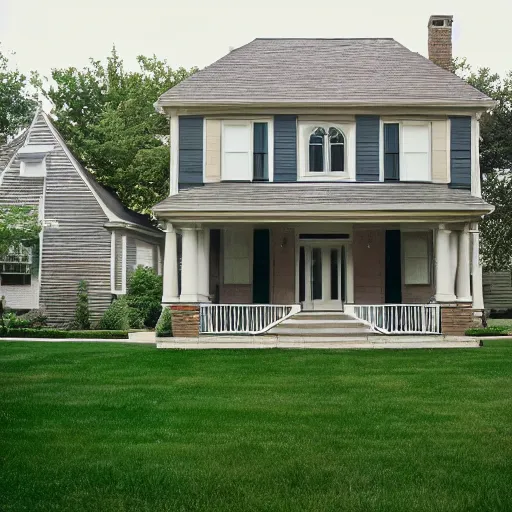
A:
135	318
116	317
36	318
144	294
11	321
82	307
59	333
488	331
164	324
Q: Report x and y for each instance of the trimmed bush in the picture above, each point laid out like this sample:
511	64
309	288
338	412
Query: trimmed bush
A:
36	318
144	293
164	324
488	331
59	333
82	307
116	317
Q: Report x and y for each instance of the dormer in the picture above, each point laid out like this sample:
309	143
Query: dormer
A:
33	160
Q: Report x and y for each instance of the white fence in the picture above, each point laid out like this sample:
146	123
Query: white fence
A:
399	318
243	318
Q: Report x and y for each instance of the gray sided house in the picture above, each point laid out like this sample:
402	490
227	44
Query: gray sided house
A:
325	183
87	233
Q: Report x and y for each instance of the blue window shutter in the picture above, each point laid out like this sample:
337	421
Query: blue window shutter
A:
367	148
285	148
391	152
460	152
190	151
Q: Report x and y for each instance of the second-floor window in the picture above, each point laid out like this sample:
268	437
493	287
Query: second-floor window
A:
326	150
246	154
407	151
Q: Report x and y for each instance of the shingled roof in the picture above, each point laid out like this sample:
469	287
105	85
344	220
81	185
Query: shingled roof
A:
336	198
324	71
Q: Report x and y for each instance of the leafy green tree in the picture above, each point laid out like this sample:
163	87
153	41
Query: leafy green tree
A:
18	225
107	116
17	102
495	164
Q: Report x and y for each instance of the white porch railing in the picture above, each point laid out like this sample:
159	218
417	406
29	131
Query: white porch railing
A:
399	318
243	318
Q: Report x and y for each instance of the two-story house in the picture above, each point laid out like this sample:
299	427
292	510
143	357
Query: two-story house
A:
86	234
321	175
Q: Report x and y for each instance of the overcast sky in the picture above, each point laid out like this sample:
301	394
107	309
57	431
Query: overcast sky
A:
57	33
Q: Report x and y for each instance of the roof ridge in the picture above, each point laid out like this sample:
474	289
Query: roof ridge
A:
324	39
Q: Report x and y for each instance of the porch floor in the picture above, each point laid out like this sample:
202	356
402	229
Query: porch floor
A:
319	342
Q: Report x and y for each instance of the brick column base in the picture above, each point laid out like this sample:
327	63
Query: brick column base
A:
456	318
185	320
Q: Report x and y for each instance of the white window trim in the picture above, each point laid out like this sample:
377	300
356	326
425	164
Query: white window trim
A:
305	129
30	172
250	123
401	124
113	289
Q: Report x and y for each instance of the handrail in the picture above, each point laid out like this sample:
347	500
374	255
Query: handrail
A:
243	318
399	318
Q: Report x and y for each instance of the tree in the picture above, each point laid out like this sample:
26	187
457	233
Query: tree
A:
18	225
17	103
82	321
144	294
495	164
107	117
496	124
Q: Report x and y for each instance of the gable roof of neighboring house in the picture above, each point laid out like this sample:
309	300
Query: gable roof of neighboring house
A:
8	150
113	208
297	199
326	72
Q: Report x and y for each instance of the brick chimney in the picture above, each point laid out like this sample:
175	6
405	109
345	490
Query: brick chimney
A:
440	40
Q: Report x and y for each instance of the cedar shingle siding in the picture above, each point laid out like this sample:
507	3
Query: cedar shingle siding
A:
80	247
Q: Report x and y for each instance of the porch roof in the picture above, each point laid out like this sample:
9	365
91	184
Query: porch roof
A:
340	199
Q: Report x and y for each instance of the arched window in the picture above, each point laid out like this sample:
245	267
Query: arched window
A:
316	150
336	150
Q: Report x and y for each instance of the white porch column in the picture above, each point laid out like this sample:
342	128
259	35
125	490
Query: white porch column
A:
444	276
189	268
478	295
350	273
170	277
464	267
203	253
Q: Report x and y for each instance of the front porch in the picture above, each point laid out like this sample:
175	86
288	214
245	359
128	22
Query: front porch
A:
395	278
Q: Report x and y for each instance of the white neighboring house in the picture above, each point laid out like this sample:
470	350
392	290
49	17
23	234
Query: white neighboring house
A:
87	233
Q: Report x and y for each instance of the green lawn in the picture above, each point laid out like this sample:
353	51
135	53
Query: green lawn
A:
103	427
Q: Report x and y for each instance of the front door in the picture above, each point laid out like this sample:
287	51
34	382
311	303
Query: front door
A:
322	276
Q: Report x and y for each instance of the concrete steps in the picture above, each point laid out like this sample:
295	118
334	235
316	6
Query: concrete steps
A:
322	324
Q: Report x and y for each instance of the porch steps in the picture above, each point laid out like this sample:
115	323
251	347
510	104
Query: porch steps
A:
322	324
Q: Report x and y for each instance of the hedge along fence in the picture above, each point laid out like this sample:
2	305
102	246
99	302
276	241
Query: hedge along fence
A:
58	333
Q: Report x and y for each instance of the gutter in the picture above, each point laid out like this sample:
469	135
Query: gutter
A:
480	104
153	232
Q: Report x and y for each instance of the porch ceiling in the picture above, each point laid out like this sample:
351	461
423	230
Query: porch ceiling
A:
320	201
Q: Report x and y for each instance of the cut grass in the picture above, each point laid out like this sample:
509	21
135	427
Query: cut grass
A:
89	427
